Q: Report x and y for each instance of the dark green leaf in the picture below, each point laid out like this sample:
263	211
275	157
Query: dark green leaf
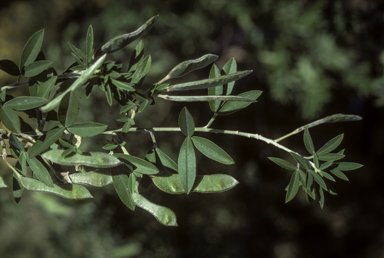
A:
318	179
32	48
339	174
328	176
68	109
326	165
215	91
123	85
51	137
25	103
121	41
87	129
331	157
283	163
164	215
166	160
300	160
89	44
78	53
108	94
142	69
141	166
187	165
110	146
309	180
348	166
330	145
9	67
229	68
40	171
15	142
208	83
69	191
120	182
191	65
186	123
211	150
293	186
36	68
17	188
91	159
10	119
308	142
45	88
233	106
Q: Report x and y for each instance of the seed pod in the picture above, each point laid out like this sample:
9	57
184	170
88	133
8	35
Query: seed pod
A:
122	41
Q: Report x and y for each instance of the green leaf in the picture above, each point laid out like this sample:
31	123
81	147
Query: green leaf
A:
318	179
229	68
233	106
17	188
142	69
15	142
79	81
120	182
96	178
44	88
122	41
123	85
211	150
9	67
300	160
330	145
283	163
110	146
186	123
308	142
188	66
68	109
25	103
87	129
50	138
91	159
328	176
339	174
293	186
207	98
187	165
10	119
36	68
326	165
89	44
331	157
32	48
69	191
108	94
309	180
142	166
215	91
77	52
2	183
321	199
164	215
166	160
348	166
40	171
216	183
208	83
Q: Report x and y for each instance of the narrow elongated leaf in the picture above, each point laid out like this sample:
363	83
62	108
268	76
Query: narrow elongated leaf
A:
69	191
87	129
330	145
188	66
211	150
25	103
339	174
40	171
10	119
89	44
15	142
32	48
51	137
122	41
97	178
141	166
318	179
326	165
321	198
120	182
328	176
206	98
186	123
216	183
208	83
123	85
308	141
300	160
187	165
283	163
91	159
229	68
142	70
45	88
9	67
233	106
68	109
293	186
166	160
79	54
331	157
348	166
164	215
215	91
77	83
36	68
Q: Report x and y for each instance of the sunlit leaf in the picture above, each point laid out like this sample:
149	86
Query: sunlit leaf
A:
40	171
91	159
187	165
164	215
293	186
211	150
283	163
25	103
50	138
97	178
69	191
10	119
32	48
186	123
87	129
330	145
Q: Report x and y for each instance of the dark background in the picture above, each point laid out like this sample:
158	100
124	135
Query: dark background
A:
311	59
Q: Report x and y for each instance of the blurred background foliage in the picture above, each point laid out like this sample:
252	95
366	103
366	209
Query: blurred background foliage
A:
310	58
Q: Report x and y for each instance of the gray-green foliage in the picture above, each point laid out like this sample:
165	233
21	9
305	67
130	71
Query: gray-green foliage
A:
49	141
